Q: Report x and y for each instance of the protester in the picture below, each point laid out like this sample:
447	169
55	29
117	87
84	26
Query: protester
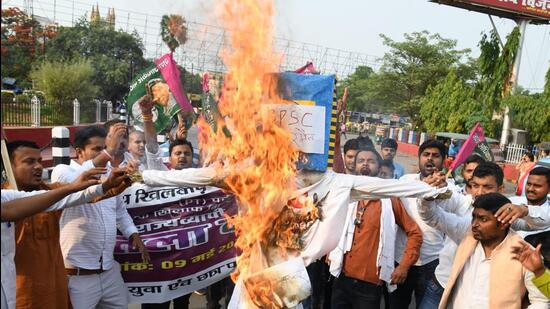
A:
18	205
88	232
467	171
483	274
367	260
364	139
446	215
536	203
121	156
136	147
524	167
530	259
454	148
431	154
386	169
350	150
180	157
388	150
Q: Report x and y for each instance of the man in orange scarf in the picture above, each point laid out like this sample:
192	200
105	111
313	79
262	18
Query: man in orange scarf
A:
41	277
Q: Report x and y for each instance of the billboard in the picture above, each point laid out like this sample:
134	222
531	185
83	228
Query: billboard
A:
538	11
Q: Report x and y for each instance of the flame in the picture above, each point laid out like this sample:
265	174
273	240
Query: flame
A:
264	231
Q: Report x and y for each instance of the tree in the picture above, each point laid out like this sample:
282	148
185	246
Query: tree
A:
23	40
359	98
496	67
450	106
66	81
411	66
115	55
532	112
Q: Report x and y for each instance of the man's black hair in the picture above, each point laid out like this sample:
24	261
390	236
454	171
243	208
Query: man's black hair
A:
178	142
474	159
82	137
352	144
491	201
107	125
365	143
13	146
387	163
489	169
432	143
541	171
378	156
389	143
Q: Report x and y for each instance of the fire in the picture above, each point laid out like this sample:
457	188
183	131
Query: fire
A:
265	232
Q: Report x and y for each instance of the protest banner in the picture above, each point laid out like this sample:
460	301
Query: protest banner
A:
188	238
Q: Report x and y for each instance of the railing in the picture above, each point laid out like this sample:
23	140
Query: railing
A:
35	113
514	152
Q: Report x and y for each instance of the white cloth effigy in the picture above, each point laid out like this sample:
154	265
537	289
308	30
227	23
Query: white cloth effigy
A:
338	190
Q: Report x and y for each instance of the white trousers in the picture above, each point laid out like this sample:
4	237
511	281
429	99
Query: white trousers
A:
106	290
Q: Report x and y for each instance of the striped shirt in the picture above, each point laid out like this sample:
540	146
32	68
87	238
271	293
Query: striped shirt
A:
88	232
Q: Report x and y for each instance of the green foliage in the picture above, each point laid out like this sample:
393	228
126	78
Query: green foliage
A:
531	113
7	96
496	67
359	84
408	69
192	83
22	41
65	81
21	98
115	55
450	106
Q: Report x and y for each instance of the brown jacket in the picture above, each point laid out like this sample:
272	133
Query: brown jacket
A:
507	285
360	261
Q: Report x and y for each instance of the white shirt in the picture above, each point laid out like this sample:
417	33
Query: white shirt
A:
537	213
432	239
453	218
472	286
88	232
8	235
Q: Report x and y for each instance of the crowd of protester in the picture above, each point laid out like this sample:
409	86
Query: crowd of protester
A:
476	249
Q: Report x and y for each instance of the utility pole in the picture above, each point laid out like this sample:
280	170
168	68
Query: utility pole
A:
513	83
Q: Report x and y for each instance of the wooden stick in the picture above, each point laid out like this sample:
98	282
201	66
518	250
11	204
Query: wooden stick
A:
7	164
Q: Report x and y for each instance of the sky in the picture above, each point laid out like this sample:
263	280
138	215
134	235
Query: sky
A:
350	25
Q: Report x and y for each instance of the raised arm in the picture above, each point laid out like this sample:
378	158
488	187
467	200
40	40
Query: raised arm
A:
365	187
453	225
19	204
180	178
146	105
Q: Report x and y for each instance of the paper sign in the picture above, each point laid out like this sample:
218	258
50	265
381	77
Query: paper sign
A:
304	122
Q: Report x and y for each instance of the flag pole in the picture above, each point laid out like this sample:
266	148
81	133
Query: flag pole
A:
7	164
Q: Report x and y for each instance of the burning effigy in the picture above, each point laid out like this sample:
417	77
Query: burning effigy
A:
272	154
291	212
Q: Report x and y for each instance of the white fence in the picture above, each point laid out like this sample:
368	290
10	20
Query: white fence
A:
514	152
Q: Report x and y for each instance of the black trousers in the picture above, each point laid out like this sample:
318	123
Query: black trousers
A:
417	280
181	302
349	293
217	291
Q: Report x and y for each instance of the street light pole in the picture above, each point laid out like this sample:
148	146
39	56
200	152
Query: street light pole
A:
513	83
